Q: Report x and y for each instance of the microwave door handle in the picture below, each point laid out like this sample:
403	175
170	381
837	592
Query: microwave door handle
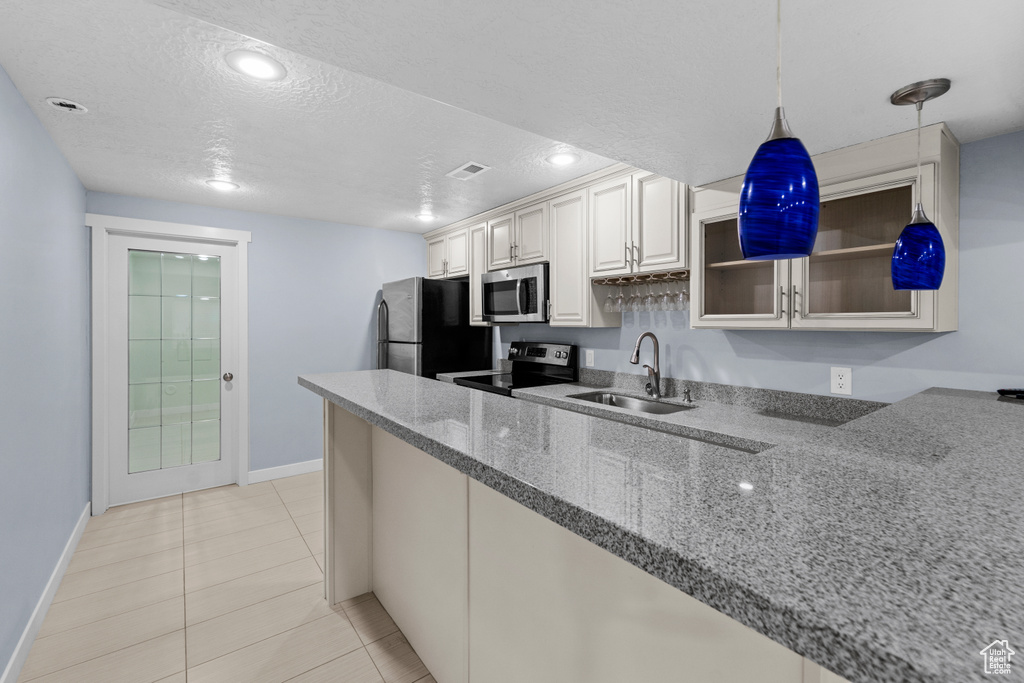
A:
519	300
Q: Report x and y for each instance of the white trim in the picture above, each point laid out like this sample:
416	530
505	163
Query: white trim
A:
102	228
138	226
35	622
305	467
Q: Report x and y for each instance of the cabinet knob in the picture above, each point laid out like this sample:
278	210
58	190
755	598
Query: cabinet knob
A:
228	377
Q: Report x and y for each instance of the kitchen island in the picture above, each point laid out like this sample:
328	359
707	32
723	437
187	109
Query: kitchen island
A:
887	548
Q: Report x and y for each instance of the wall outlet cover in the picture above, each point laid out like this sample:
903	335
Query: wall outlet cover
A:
842	381
590	358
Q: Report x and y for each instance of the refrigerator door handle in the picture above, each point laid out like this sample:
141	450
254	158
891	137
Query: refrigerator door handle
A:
382	335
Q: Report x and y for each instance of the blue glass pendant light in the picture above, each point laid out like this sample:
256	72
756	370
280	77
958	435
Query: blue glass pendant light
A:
919	258
778	215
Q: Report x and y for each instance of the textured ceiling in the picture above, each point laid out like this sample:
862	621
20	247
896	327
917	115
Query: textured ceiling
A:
166	113
681	87
383	98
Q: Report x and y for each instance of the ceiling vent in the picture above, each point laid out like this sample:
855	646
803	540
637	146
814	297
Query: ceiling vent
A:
467	171
66	105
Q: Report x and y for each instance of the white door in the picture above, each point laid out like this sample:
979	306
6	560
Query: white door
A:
531	234
436	258
457	246
169	372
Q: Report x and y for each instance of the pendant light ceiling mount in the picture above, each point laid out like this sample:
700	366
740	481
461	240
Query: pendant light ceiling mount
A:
920	92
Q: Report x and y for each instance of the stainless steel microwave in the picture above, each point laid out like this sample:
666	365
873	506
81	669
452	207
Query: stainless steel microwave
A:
516	295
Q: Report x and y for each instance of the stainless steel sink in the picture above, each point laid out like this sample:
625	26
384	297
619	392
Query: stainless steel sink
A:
631	403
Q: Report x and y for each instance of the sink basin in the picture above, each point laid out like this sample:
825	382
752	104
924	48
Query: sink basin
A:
631	403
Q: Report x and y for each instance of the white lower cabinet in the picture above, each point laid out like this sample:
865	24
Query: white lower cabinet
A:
488	591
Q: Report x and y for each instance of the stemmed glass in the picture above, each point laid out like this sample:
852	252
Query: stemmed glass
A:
648	301
620	302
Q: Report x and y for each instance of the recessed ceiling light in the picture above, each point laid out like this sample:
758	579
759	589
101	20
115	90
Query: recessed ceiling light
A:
563	158
255	64
222	185
746	486
426	216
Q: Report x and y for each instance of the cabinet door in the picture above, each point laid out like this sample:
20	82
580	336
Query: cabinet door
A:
610	215
500	237
660	241
457	244
846	283
568	275
436	257
531	245
731	293
477	260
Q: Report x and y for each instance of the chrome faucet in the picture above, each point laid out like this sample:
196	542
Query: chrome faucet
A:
653	374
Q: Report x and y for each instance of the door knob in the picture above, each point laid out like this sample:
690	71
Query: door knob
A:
228	377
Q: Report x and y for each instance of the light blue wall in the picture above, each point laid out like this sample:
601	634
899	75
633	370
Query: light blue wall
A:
984	354
44	360
312	296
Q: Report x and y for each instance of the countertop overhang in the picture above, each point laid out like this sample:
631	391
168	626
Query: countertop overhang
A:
889	548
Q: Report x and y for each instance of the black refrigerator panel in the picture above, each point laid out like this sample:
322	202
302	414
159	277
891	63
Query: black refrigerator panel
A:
450	343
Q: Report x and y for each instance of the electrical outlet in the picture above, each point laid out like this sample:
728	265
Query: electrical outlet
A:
842	381
590	358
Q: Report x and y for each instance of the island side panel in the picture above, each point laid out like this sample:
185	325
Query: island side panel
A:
348	504
547	606
420	553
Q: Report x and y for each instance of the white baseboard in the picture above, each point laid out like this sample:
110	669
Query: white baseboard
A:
256	476
28	636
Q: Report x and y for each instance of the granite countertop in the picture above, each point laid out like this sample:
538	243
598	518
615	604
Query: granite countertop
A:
888	548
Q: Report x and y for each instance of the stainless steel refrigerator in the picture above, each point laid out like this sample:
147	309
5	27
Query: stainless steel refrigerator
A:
423	329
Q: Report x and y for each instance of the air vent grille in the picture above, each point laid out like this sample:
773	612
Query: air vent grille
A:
66	105
468	170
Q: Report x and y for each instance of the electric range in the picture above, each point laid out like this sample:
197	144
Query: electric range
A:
534	364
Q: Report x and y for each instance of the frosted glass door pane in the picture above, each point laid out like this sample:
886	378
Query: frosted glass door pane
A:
206	441
144	317
143	361
144	273
174	360
143	405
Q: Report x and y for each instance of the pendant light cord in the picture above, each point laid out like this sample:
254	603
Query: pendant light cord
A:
778	49
920	106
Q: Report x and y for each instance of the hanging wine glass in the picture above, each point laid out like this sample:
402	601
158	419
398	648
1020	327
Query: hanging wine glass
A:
609	302
648	300
663	303
620	302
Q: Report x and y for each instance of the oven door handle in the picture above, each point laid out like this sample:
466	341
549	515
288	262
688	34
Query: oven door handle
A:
519	300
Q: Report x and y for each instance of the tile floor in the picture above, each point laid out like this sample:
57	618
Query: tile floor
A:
218	585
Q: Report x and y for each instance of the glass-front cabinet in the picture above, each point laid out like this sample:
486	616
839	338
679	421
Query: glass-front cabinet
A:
846	282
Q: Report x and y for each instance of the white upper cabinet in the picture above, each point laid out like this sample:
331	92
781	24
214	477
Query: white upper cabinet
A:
436	257
501	241
635	225
611	212
868	193
457	244
660	241
531	245
574	301
448	255
519	238
477	259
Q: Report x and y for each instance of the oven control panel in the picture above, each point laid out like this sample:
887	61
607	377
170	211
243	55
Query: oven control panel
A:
564	355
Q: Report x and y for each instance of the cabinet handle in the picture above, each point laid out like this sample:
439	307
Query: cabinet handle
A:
445	264
796	306
629	257
782	296
511	251
636	255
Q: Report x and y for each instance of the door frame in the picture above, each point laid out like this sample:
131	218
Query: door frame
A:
102	228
